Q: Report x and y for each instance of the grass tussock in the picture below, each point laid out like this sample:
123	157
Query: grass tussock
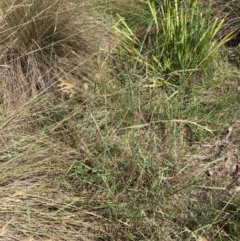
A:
46	44
117	124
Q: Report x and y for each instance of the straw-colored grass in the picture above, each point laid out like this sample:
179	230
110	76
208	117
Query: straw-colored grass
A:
94	146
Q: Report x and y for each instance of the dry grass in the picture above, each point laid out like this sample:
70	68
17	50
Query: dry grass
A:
53	44
90	152
50	52
31	204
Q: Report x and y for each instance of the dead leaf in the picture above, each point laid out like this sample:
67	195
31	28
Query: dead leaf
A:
200	238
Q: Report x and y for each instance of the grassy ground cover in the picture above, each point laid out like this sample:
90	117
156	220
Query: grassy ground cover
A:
119	120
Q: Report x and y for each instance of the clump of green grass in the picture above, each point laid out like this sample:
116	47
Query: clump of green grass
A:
179	38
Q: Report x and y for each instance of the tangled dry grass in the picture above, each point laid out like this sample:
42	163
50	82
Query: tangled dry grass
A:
88	152
50	51
46	44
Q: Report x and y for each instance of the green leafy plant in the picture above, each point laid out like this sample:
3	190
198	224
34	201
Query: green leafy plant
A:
180	38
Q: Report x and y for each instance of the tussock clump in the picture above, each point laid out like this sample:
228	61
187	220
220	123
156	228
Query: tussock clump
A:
45	43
